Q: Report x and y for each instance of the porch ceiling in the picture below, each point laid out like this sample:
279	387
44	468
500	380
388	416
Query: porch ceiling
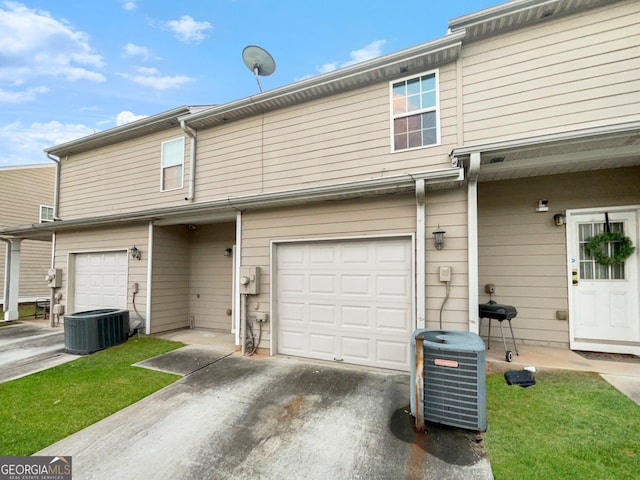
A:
578	151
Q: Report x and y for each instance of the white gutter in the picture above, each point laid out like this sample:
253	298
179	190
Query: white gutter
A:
472	239
56	187
192	159
147	326
421	288
164	216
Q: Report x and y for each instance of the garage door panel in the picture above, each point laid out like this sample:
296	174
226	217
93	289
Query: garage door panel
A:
320	284
392	354
292	341
322	314
357	349
292	312
100	280
356	284
356	316
393	286
393	320
291	283
322	345
342	299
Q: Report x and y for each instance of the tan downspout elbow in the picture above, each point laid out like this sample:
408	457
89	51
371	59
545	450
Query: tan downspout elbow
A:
192	160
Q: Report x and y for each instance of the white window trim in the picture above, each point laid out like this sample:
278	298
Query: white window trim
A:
162	167
42	220
436	73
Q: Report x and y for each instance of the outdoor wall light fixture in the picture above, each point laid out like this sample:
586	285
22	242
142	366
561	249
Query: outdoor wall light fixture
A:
227	252
560	219
135	253
438	237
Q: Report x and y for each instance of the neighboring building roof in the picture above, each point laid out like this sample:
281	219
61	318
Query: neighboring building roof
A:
24	167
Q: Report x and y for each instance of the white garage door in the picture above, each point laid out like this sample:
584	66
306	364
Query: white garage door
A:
100	280
348	301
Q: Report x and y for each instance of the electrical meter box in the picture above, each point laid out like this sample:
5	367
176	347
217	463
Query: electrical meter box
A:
250	280
54	278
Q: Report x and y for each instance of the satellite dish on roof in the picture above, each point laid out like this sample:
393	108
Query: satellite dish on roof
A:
258	61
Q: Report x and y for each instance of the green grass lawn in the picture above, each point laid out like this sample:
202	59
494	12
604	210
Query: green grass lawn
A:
570	425
45	407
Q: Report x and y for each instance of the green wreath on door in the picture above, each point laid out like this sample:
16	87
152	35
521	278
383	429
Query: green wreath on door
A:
596	247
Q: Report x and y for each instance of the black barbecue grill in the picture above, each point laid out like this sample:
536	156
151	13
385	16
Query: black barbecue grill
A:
497	311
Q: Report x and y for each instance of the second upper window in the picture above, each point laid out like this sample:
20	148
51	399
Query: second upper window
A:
414	103
172	164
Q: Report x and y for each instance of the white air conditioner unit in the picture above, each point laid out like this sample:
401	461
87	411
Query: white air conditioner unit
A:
455	391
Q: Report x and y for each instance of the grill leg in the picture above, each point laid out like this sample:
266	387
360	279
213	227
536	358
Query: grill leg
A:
503	340
513	338
489	337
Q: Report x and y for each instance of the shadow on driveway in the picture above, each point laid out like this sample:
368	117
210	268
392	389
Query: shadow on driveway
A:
271	418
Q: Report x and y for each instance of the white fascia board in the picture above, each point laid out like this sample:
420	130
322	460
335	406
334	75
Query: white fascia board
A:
406	182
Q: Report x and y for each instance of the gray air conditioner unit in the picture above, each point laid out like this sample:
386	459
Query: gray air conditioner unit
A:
455	391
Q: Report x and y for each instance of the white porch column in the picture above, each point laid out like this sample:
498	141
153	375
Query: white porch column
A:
12	279
472	233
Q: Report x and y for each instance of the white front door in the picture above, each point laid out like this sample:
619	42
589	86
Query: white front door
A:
604	312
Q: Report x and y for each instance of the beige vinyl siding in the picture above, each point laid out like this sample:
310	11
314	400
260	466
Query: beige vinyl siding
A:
170	278
119	178
447	209
35	260
564	74
22	191
211	274
100	240
336	139
524	253
388	215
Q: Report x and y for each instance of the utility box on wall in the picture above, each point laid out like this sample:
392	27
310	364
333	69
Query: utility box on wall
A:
250	280
54	278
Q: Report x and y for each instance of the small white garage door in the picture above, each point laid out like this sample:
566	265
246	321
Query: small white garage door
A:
100	280
348	301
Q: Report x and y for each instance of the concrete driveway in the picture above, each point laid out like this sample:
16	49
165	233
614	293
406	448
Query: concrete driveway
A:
28	347
270	418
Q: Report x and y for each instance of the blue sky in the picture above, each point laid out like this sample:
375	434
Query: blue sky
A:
69	68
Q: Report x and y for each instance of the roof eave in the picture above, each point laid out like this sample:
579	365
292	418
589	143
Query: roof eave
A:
405	62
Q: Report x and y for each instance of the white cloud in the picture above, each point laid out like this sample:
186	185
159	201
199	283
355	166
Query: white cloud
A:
133	50
36	46
129	6
125	117
27	95
151	77
25	144
188	30
373	50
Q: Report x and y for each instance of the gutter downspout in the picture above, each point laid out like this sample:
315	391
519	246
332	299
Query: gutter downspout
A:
7	278
472	239
421	291
192	160
56	188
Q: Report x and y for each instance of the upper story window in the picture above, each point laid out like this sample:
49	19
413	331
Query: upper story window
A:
46	213
172	164
414	103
